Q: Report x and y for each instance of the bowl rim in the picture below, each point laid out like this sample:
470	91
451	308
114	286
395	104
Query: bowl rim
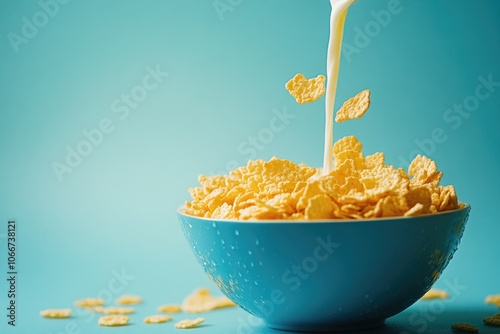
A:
464	207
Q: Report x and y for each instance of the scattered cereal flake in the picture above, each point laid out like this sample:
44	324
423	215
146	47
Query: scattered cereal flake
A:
90	302
56	313
435	294
172	308
464	327
493	320
96	309
157	319
128	300
355	107
188	323
493	299
304	90
113	320
201	300
118	310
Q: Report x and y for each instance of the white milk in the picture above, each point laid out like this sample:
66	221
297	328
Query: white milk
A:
337	20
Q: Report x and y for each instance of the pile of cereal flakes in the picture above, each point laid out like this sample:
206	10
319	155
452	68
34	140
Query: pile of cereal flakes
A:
358	187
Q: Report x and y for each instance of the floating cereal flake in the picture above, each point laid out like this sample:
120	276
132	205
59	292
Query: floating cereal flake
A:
157	319
113	320
304	90
56	313
355	107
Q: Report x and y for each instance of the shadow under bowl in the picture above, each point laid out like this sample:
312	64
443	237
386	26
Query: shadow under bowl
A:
325	275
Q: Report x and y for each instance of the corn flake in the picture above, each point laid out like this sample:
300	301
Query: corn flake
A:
304	90
113	320
90	302
435	294
56	313
169	308
358	187
157	319
117	310
464	328
355	107
493	299
493	320
188	323
201	300
128	300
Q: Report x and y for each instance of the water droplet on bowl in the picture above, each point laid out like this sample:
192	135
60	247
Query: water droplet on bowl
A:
249	252
237	232
214	224
257	242
222	241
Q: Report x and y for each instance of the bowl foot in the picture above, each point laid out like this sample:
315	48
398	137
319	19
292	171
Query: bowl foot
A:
327	328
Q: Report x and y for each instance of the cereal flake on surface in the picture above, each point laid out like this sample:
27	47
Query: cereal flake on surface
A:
56	313
113	320
188	323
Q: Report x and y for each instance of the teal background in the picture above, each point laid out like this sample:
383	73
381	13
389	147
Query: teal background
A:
116	211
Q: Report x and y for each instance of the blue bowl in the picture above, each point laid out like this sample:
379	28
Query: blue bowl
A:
325	275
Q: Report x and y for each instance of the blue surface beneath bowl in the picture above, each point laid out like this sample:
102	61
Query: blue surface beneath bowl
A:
316	276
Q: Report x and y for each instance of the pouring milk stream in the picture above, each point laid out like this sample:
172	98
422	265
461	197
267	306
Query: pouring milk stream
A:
337	20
